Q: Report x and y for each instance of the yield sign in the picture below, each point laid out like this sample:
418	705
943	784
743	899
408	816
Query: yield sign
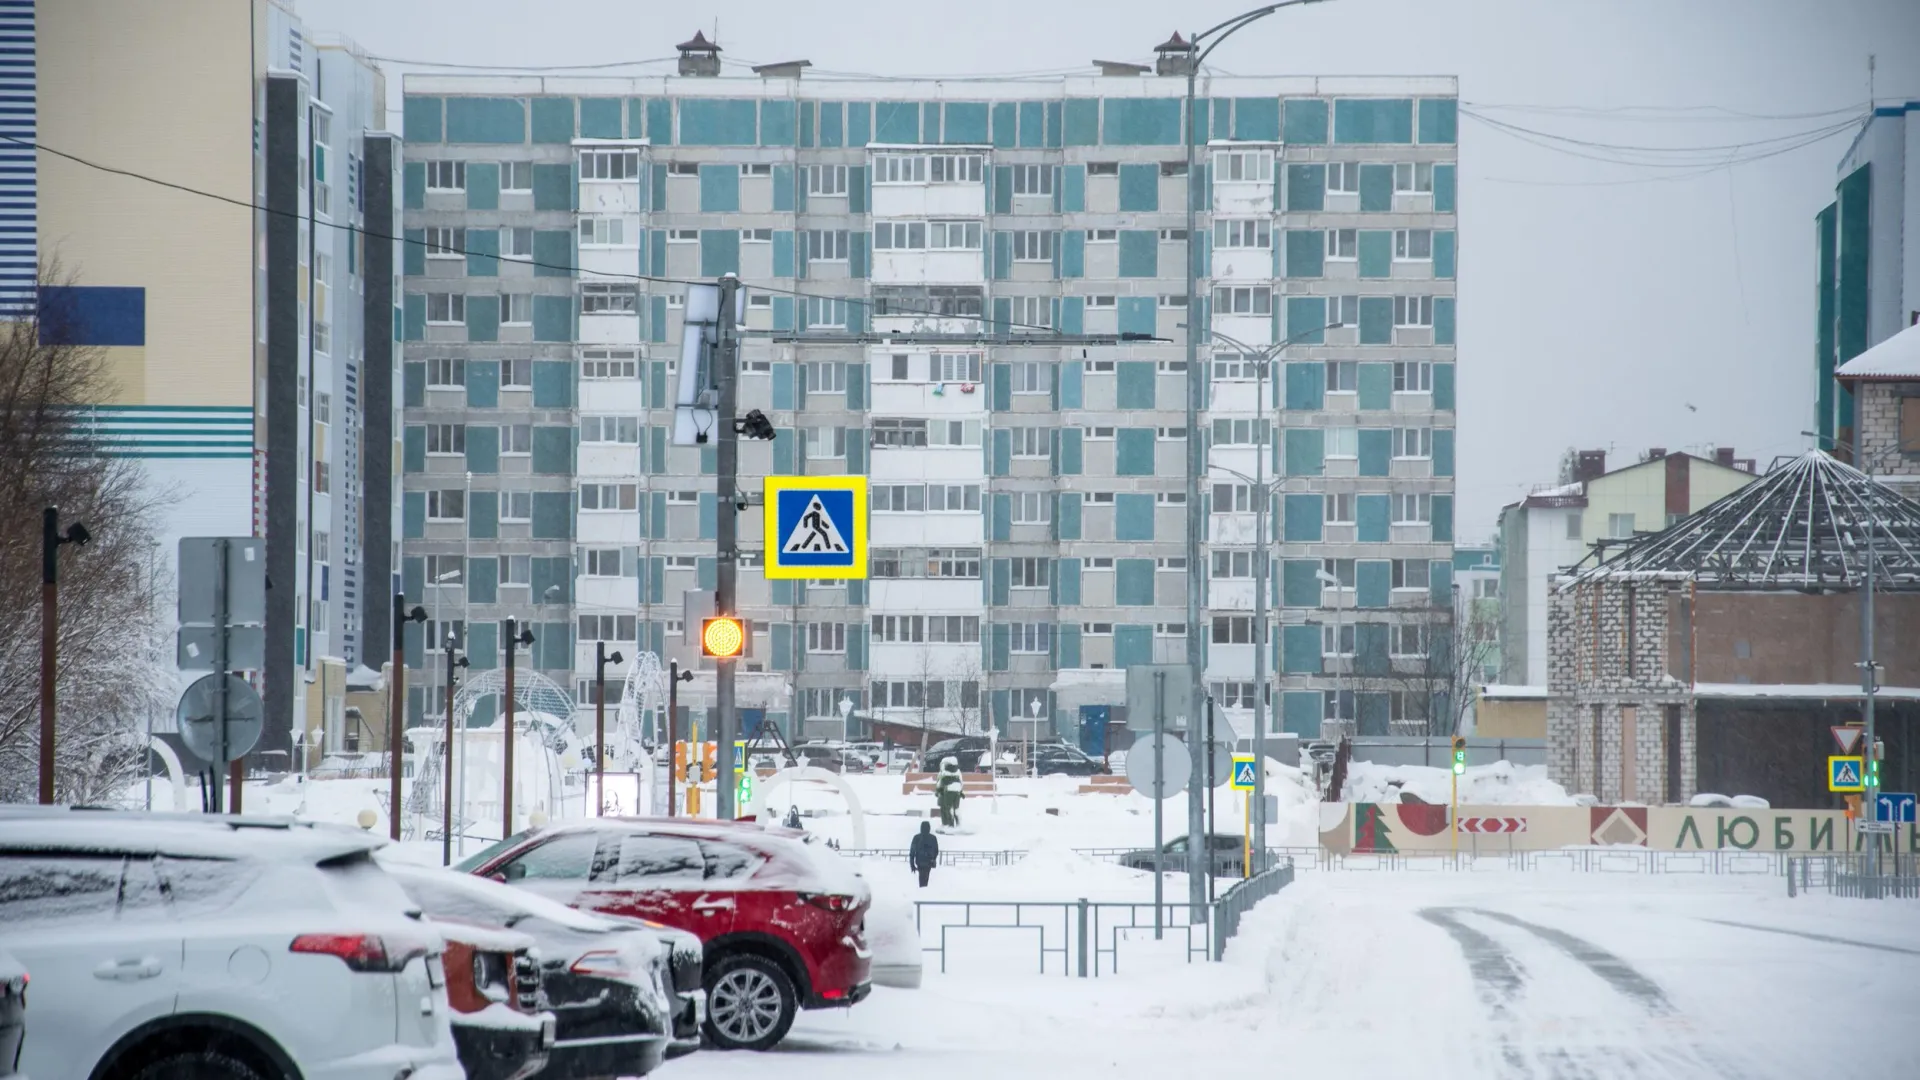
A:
1848	737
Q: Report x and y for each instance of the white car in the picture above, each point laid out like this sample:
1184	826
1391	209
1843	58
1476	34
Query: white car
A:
222	948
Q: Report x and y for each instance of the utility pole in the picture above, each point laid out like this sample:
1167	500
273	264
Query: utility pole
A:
725	369
674	678
397	694
50	541
600	660
1196	468
446	756
516	637
1869	688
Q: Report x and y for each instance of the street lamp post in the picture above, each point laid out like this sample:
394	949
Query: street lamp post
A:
397	706
846	715
50	540
516	637
446	811
674	678
1034	707
1196	465
601	658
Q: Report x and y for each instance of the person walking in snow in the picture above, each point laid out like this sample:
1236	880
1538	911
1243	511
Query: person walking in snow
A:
924	854
793	818
948	790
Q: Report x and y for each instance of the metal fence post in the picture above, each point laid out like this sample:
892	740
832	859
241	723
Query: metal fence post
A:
1082	936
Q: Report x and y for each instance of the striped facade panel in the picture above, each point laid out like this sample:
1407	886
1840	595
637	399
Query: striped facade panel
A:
168	431
19	244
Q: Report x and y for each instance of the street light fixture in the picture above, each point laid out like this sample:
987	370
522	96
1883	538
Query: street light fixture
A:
446	815
516	637
397	692
50	540
846	717
601	658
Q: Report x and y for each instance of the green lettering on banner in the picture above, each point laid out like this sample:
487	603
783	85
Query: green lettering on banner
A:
1782	835
1687	826
1723	832
1820	834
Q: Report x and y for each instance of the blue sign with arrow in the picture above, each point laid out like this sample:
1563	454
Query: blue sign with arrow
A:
1894	806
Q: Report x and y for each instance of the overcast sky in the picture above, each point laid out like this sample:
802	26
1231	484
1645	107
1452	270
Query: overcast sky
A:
1601	304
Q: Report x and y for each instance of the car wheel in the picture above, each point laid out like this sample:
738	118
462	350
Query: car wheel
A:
750	1003
197	1065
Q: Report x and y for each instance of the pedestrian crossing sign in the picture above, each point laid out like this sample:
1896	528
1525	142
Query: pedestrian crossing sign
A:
1844	773
1243	772
816	526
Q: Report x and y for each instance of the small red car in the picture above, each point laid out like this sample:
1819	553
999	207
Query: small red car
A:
782	922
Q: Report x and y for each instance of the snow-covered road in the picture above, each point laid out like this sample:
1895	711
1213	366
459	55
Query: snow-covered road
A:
1407	974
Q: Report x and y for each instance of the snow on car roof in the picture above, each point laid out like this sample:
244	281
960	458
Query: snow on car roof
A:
492	895
487	938
218	836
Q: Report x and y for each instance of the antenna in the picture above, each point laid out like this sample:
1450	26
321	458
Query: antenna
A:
1871	100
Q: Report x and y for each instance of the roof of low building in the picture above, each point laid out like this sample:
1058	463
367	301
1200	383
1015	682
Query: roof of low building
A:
1807	524
1898	357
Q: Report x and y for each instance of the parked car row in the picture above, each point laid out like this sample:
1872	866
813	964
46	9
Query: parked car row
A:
1049	758
235	948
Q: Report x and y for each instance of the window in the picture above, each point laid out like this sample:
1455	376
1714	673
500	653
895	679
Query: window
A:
322	477
897	432
826	179
1343	376
1103	236
758	236
1032	507
826	311
516	176
1413	442
1343	310
825	442
1232	629
1171	498
516	243
1338	639
1242	300
1408	639
1339	508
447	505
609	164
827	245
1232	564
446	308
1619	526
683	236
1343	176
960	300
445	371
1030	442
1411	573
445	243
1030	637
826	637
1342	442
1243	233
1103	168
953	235
1343	245
1411	508
1412	377
607	628
953	498
1411	177
601	298
956	168
899	498
954	367
899	169
602	230
954	563
1253	165
606	364
659	859
446	438
1033	245
1233	695
610	429
1574	529
683	168
1173	235
757	168
1413	244
516	438
1236	367
516	374
1413	311
515	569
899	235
1032	573
953	432
1032	314
446	176
825	377
322	546
516	506
1032	377
1232	498
1170	629
516	309
1339	706
609	496
1341	570
1244	432
1033	179
600	562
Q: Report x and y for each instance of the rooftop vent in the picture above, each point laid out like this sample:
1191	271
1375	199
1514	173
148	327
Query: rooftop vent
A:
1173	56
699	56
785	69
1120	67
1589	464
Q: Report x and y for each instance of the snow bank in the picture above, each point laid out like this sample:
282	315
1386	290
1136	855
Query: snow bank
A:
1499	784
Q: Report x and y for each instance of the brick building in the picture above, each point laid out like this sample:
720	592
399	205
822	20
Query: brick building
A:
1714	655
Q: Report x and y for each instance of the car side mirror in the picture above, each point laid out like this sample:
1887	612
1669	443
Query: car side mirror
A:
501	878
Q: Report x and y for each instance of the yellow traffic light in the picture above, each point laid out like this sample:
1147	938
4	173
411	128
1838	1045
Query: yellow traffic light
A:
723	638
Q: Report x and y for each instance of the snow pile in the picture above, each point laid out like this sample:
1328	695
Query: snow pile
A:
1708	799
1500	784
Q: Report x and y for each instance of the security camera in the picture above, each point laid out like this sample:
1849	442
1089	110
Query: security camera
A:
77	535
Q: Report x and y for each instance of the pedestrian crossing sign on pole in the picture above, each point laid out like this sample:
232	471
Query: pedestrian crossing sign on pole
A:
1845	773
1243	772
816	526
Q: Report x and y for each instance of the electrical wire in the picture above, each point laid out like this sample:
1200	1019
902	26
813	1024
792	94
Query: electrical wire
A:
1716	155
1760	150
569	268
1663	113
523	67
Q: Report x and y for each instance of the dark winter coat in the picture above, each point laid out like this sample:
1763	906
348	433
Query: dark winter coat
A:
924	853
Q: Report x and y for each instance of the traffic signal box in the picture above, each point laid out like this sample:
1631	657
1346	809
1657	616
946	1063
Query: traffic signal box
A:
1459	755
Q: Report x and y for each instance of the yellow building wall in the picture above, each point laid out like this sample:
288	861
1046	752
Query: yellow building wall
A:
166	90
1510	718
1641	490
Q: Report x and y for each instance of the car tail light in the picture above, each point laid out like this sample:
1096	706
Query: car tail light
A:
602	962
832	995
362	952
829	901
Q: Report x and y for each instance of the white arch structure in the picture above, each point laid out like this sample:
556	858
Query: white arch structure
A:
544	739
808	772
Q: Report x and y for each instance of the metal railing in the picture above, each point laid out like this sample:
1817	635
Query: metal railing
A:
1898	876
1238	900
1620	860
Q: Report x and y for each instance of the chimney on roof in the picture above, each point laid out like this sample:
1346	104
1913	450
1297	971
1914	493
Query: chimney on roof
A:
1723	455
1120	67
1655	453
699	56
785	69
1589	465
1173	56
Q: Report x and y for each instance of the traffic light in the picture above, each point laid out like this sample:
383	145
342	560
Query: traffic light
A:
679	757
709	754
744	794
723	638
1459	755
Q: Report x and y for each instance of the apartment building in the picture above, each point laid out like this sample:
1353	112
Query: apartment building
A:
251	351
912	251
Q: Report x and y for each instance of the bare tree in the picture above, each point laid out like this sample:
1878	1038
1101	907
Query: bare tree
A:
110	590
1426	666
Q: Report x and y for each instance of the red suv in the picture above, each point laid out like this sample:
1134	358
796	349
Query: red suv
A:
782	921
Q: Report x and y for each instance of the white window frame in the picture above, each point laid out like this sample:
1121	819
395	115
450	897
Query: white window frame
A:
1413	311
1348	439
604	231
1031	377
1229	300
452	309
1032	180
446	175
826	180
827	245
1406	241
956	235
1411	507
1412	443
507	178
1231	234
1033	245
609	165
600	494
1343	245
1343	177
1413	376
446	242
1032	507
1413	177
608	298
1242	166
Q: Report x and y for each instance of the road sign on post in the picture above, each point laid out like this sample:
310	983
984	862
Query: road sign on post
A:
1142	688
200	719
1847	736
1846	773
1173	771
1895	806
223	589
816	526
1243	772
